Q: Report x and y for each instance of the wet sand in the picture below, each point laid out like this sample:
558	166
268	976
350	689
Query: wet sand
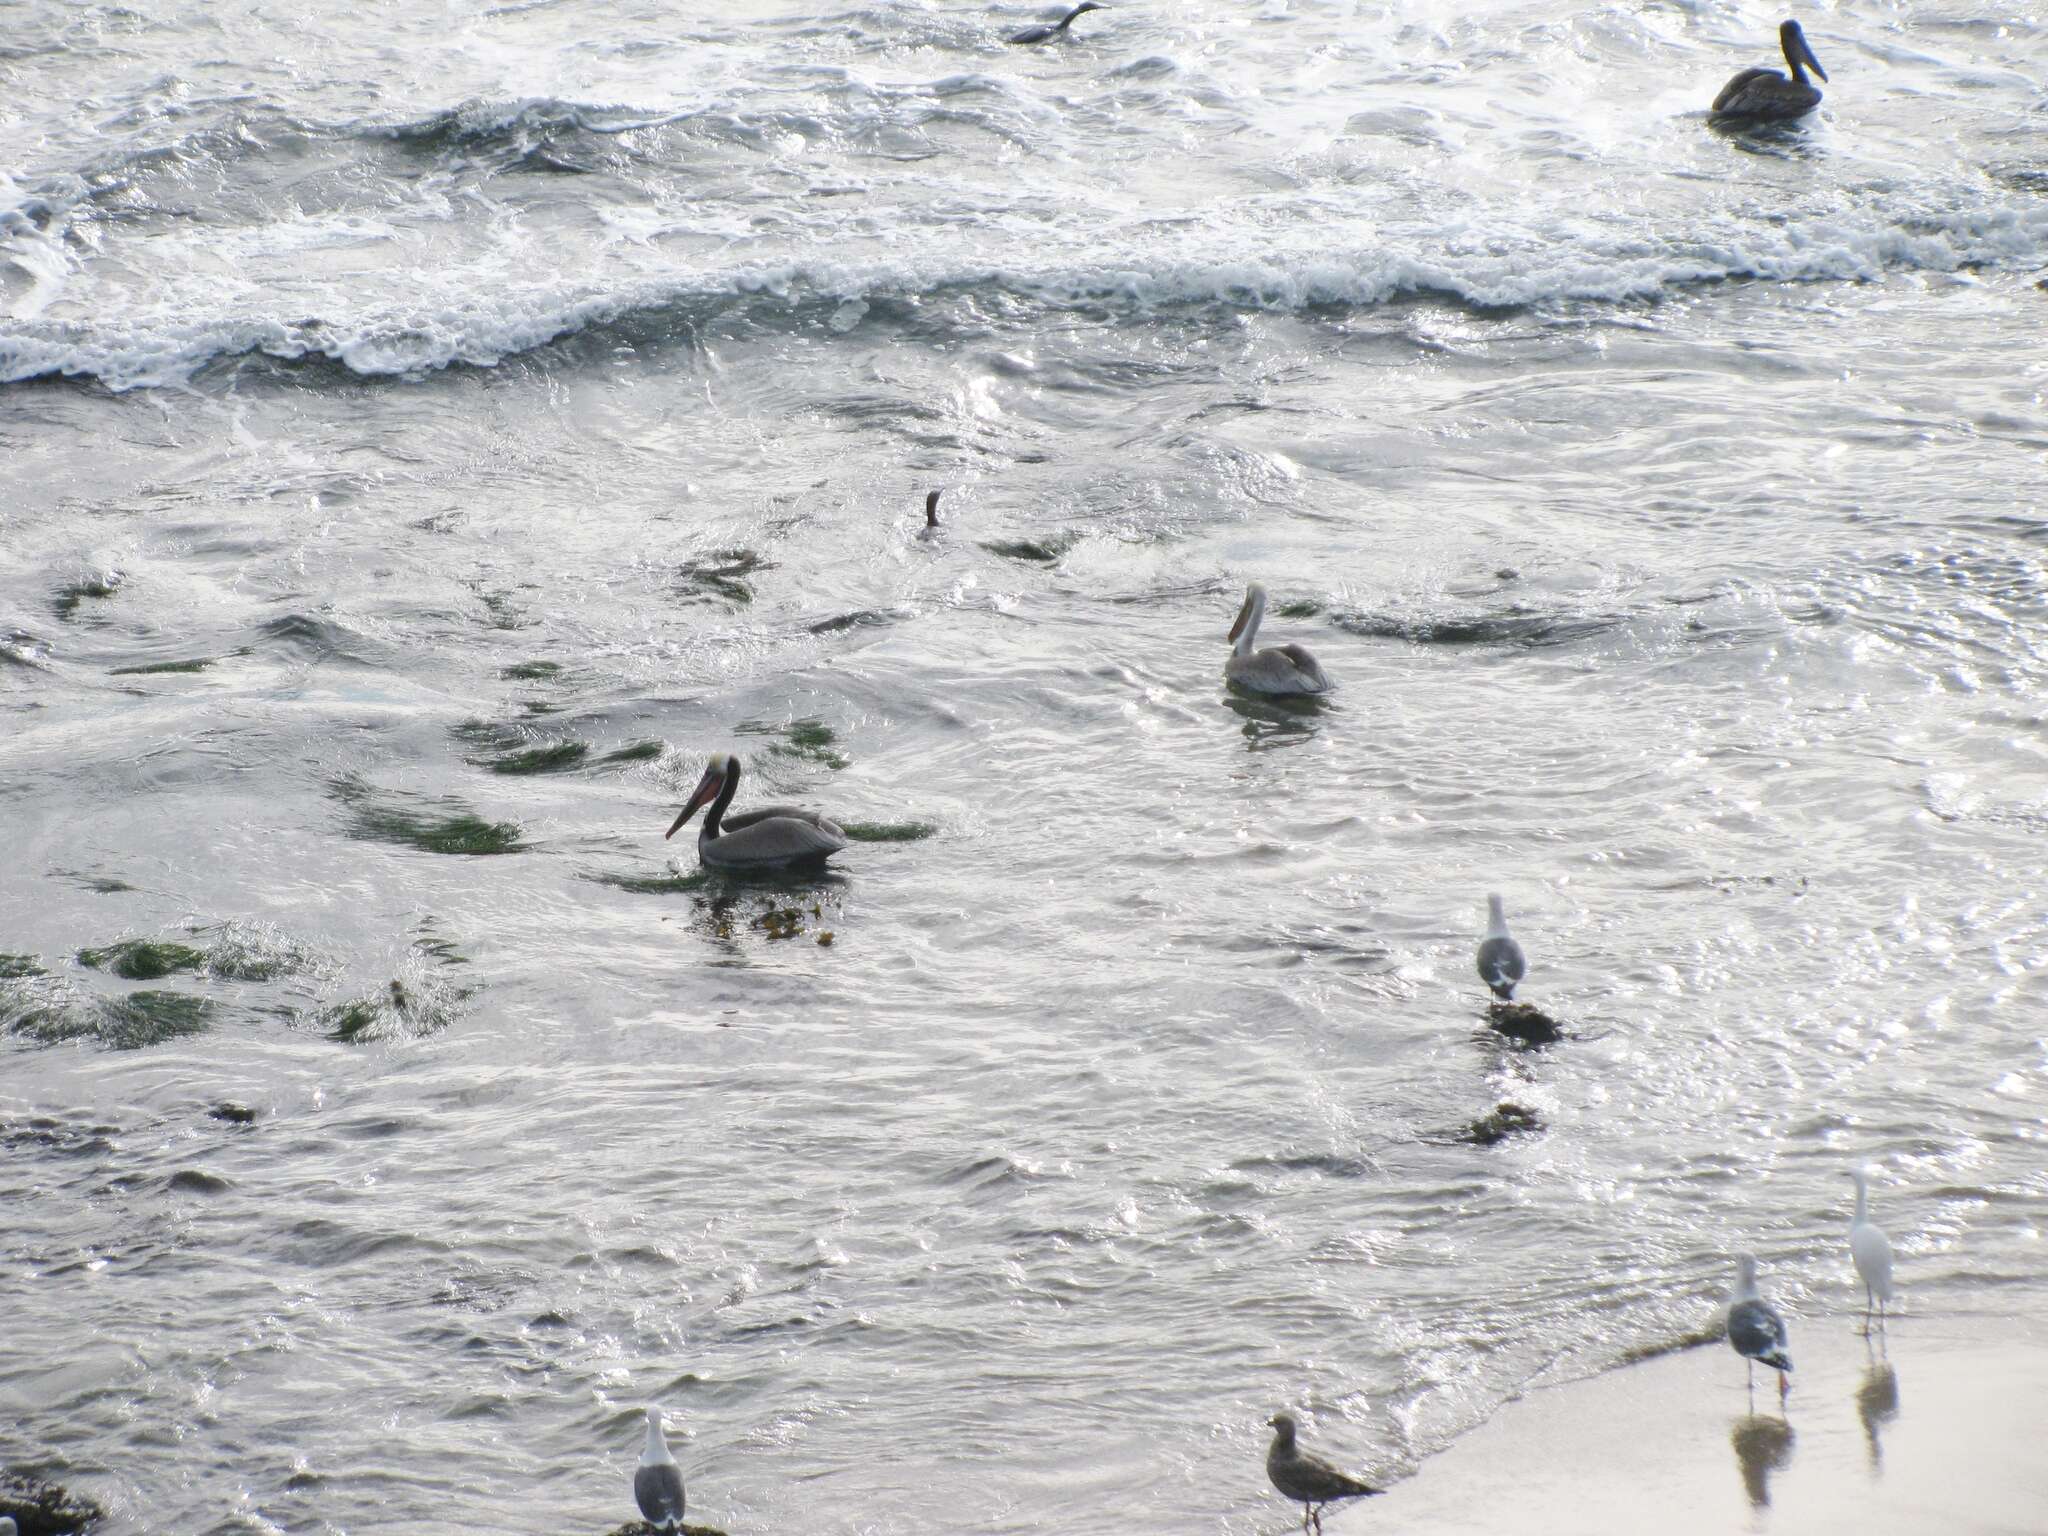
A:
1935	1428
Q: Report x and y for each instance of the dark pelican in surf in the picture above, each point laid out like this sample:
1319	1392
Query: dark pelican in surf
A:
930	530
1756	1329
1047	31
658	1481
1764	95
1308	1480
773	837
1276	669
1501	963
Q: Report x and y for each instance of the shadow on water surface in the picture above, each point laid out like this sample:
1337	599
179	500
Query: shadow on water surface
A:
1276	719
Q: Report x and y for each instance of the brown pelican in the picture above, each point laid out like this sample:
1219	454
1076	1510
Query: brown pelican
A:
1756	1329
1046	32
658	1481
930	530
1276	669
1501	964
773	837
1304	1478
1764	95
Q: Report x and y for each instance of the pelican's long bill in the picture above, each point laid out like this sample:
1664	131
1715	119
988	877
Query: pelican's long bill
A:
702	795
1806	57
1243	615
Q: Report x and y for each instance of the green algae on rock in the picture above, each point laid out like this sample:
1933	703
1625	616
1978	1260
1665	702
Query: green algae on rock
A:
549	759
531	671
636	752
381	817
888	831
41	1508
143	959
153	668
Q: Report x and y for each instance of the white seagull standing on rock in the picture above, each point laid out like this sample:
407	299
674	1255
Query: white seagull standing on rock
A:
658	1481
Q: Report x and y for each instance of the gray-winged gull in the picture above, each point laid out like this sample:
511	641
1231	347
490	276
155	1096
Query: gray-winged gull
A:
1501	962
658	1481
1871	1250
1755	1327
1304	1478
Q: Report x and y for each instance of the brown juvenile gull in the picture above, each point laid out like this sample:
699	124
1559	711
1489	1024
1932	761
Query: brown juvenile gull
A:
658	1481
1305	1479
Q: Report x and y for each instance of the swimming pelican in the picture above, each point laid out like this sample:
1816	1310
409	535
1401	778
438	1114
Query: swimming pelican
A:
1307	1479
658	1481
1052	29
1756	1329
930	530
1763	95
1276	669
1872	1251
1501	963
773	837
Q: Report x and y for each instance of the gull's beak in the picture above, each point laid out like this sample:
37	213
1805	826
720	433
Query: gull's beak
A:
706	790
1243	614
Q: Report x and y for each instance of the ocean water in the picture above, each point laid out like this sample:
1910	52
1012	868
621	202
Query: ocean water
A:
430	430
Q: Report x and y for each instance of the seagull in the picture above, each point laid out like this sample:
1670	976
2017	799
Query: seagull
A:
773	837
657	1482
1763	95
1501	963
1304	1478
1872	1251
1046	32
1276	669
1756	1329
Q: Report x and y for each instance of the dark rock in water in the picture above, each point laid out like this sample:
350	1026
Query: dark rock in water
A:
1505	1121
1524	1022
233	1114
44	1509
642	1528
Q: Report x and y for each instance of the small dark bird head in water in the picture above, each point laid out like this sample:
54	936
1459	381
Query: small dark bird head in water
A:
931	510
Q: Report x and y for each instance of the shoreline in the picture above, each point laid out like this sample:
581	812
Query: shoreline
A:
1933	1426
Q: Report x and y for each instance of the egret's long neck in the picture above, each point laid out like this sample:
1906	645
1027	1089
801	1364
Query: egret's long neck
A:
1862	1202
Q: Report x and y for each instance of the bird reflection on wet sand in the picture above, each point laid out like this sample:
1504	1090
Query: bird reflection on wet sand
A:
1877	1404
1762	1446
